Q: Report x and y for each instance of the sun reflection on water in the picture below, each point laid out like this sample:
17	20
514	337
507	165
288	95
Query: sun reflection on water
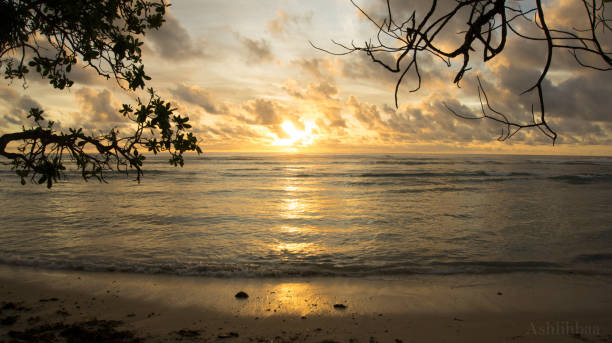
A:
297	298
295	248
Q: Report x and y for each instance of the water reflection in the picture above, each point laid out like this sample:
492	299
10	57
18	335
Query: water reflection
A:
294	208
296	298
291	229
295	248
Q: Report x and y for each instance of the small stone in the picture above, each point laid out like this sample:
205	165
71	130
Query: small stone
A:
339	306
499	293
241	295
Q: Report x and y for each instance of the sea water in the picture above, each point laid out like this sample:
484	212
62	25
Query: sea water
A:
254	215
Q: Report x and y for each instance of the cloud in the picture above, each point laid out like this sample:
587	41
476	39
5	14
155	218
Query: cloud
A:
16	108
427	121
270	114
367	114
258	51
264	112
99	109
323	96
200	97
284	22
584	97
320	68
172	41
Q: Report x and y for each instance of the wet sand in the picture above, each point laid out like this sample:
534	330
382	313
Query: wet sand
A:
57	305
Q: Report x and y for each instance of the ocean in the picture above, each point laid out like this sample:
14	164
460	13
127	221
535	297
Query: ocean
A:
359	215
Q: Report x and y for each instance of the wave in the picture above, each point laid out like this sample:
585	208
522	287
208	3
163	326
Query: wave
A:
590	258
435	189
579	179
297	269
477	173
412	162
603	161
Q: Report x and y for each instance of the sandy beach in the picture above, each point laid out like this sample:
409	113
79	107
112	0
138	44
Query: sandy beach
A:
43	305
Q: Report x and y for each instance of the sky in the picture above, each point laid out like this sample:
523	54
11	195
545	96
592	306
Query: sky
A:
249	80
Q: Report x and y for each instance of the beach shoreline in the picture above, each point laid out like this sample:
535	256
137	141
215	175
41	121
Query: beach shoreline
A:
155	308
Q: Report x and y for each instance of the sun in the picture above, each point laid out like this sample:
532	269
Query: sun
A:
297	138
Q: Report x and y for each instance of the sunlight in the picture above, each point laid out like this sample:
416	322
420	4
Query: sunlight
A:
296	137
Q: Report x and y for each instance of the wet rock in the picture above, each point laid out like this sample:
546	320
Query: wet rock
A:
340	306
49	299
228	335
499	293
188	333
241	295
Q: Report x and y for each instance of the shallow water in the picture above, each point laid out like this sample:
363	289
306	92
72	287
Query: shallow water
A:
280	215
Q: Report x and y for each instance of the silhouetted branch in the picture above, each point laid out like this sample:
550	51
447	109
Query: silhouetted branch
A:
487	26
49	38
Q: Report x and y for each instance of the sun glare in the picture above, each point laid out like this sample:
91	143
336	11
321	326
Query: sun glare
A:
297	138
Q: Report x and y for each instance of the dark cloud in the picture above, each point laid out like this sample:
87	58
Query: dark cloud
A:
172	41
17	108
586	97
200	97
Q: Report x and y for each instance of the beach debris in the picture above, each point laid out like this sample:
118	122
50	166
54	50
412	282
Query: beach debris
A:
62	312
241	295
130	315
33	320
90	331
188	333
499	293
8	306
9	320
340	306
457	319
47	300
303	317
228	335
